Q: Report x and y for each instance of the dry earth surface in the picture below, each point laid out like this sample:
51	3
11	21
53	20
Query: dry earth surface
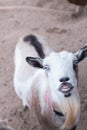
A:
51	19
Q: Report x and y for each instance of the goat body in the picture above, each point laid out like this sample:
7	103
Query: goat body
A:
39	88
23	73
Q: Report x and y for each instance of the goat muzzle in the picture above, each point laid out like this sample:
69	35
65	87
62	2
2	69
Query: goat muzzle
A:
66	88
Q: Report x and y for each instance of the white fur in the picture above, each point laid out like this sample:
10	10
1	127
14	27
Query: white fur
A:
23	73
27	77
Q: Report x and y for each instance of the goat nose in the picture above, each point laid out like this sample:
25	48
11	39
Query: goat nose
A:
64	79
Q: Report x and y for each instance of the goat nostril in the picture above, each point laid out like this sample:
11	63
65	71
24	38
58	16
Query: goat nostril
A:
64	79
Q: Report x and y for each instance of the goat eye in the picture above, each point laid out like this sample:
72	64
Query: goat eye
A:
46	67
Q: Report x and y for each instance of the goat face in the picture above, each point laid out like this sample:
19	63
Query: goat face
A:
61	68
61	71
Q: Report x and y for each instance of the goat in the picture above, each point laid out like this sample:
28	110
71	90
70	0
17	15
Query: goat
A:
46	82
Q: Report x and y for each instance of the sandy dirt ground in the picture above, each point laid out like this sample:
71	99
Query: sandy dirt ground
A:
51	19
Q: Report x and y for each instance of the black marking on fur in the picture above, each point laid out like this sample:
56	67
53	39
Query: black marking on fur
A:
74	128
58	113
26	108
67	95
37	45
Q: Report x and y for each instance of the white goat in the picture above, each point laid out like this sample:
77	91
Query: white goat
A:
49	88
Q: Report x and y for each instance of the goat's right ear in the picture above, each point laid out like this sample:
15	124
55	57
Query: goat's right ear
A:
80	55
34	61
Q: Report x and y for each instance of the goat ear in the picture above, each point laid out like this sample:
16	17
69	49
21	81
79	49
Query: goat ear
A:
34	61
80	55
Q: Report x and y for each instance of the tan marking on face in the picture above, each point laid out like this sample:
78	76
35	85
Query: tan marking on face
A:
72	110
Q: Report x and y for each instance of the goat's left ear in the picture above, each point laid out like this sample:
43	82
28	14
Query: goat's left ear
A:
34	61
80	55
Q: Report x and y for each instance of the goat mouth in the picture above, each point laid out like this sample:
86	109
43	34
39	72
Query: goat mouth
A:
65	87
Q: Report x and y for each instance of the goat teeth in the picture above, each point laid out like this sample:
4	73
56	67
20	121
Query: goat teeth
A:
65	88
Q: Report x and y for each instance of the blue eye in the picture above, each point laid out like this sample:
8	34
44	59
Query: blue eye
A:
46	67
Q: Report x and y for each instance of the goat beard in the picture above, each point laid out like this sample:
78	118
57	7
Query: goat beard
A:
70	107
